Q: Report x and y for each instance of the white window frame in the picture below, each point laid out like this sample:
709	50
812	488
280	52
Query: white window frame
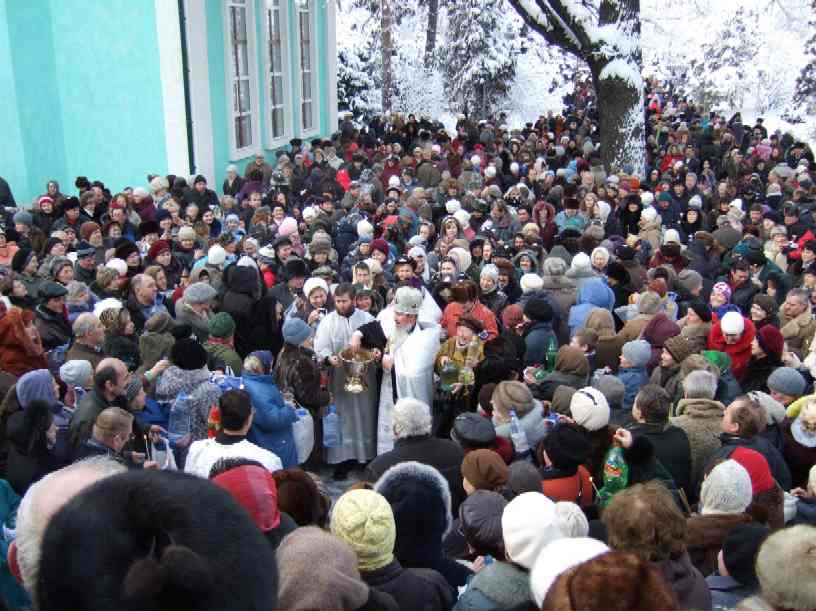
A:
254	147
309	7
286	72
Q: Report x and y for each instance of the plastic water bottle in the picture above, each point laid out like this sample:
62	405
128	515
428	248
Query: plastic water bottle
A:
178	424
552	354
518	436
302	413
332	428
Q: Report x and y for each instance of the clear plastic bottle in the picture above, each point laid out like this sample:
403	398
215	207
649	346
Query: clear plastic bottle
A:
466	375
179	423
518	436
332	428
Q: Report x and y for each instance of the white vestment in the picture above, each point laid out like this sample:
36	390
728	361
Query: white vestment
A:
357	411
414	361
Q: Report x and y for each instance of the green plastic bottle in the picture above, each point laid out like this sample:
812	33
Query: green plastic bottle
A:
552	353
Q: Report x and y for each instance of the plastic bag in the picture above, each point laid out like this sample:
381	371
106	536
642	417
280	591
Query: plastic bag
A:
303	430
163	455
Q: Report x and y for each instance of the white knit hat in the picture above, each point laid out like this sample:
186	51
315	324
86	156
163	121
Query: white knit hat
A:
364	228
107	304
726	490
647	198
394	181
120	265
530	283
580	266
452	205
671	235
573	519
589	408
490	171
732	323
529	522
314	283
216	255
558	557
649	214
309	214
462	217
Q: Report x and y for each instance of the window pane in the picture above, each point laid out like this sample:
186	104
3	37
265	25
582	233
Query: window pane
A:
235	96
277	90
243	131
243	95
306	109
277	123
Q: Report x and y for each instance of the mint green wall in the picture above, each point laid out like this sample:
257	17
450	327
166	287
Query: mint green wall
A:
41	144
12	155
87	93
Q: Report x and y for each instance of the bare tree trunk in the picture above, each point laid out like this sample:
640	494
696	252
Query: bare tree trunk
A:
387	16
430	40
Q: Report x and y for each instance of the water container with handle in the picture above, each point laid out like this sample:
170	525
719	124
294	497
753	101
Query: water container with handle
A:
179	423
332	428
518	436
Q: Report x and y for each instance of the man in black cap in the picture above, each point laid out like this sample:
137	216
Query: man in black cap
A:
51	321
85	266
293	273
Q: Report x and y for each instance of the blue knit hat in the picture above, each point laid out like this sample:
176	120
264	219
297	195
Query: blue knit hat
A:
295	331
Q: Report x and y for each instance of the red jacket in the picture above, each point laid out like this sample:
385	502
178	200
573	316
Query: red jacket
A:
483	314
740	352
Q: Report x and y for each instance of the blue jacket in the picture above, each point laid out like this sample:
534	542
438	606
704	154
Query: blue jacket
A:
593	293
633	378
536	342
272	425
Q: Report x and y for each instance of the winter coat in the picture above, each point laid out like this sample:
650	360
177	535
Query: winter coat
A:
272	423
760	370
633	378
84	416
200	324
656	332
83	352
740	352
569	371
800	458
701	419
562	485
412	588
607	351
633	328
697	336
706	535
727	592
532	422
798	332
670	379
536	341
223	353
443	455
297	372
565	294
650	231
124	348
671	447
779	468
202	394
687	583
594	293
25	464
497	586
421	501
19	354
54	328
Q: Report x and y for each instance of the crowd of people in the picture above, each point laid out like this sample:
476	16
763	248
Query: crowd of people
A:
540	383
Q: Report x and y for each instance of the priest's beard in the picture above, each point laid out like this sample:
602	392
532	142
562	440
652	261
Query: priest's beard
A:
399	337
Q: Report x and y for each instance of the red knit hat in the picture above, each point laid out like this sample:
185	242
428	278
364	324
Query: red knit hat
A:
757	467
254	488
158	248
381	245
771	340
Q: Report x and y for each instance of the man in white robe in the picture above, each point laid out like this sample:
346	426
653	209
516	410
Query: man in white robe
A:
407	361
357	411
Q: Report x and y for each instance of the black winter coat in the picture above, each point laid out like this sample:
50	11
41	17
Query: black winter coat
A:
54	328
412	588
779	468
672	449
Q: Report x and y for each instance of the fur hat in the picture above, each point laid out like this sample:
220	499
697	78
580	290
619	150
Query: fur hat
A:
125	249
186	233
672	236
787	381
407	300
740	549
590	409
567	447
580	267
509	396
420	499
529	522
20	259
364	520
638	352
732	323
538	310
490	271
199	292
314	283
649	214
726	490
158	248
554	266
786	569
188	354
679	347
484	469
557	558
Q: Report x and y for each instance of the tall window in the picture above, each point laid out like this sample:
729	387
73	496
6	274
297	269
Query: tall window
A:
277	65
240	70
307	74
